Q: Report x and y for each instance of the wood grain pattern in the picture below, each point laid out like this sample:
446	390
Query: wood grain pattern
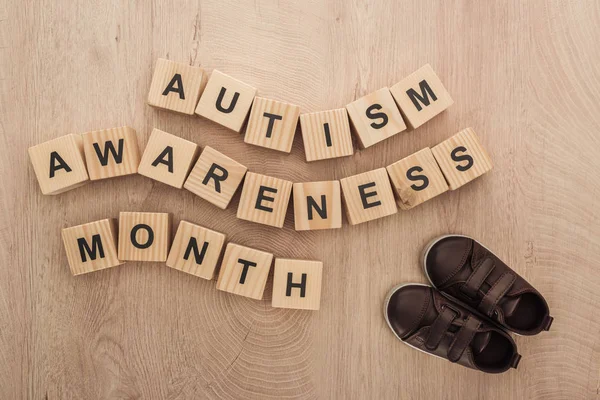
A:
152	233
297	284
264	199
244	271
323	199
368	196
114	161
179	95
272	124
321	143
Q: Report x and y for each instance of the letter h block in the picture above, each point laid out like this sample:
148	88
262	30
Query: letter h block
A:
144	236
272	124
264	199
297	284
368	196
175	86
244	271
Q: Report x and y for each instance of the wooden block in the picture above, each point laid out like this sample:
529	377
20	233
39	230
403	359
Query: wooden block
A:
368	196
92	246
226	101
462	158
297	284
215	177
421	96
272	124
195	250
375	117
326	134
317	205
175	86
416	179
144	236
59	164
168	158
264	199
244	271
111	152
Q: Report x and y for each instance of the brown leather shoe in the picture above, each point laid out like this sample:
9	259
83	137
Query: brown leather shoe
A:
427	321
460	267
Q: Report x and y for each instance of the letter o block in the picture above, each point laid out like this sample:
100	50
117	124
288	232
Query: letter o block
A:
272	124
144	236
297	284
175	86
244	271
368	196
264	199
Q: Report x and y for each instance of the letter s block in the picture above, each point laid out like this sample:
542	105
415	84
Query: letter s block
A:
272	124
264	199
144	236
297	284
175	86
244	271
368	196
317	205
111	152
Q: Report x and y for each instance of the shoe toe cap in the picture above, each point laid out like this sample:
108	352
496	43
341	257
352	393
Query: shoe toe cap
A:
406	308
446	257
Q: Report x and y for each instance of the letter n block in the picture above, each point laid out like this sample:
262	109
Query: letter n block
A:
59	164
272	124
317	205
326	134
244	271
368	196
144	236
264	199
297	284
91	247
462	158
175	86
111	152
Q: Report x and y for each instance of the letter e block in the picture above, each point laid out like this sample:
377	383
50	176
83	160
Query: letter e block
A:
317	205
264	199
144	236
272	124
111	152
326	134
297	284
368	196
244	271
175	86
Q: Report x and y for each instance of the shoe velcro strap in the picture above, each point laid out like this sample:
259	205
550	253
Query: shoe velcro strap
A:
463	338
477	277
496	292
439	327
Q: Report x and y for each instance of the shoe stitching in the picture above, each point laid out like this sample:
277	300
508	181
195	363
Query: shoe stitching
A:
416	322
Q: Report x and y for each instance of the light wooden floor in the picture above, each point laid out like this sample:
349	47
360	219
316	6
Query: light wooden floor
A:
524	75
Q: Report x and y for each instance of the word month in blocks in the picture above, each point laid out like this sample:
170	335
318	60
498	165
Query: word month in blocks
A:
168	158
272	124
244	271
144	236
421	96
326	134
226	101
297	284
264	199
215	177
368	196
195	250
462	158
375	117
175	86
416	179
317	205
92	246
111	152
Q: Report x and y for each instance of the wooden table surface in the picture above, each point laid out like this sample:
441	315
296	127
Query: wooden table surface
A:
524	75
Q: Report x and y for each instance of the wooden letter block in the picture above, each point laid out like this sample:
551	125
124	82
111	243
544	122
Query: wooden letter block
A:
144	236
297	284
317	205
91	247
272	124
215	177
59	164
175	86
421	96
168	158
111	152
368	196
326	134
375	117
416	179
264	199
195	250
462	158
226	101
244	271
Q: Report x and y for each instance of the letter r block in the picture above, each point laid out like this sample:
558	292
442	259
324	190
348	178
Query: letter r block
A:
264	199
175	86
272	124
244	271
144	236
368	196
317	205
111	152
297	284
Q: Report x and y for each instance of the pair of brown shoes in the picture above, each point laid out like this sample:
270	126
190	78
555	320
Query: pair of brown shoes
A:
474	300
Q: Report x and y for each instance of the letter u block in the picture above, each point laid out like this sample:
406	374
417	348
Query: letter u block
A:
144	236
368	196
175	86
297	284
272	124
317	205
244	271
111	152
264	199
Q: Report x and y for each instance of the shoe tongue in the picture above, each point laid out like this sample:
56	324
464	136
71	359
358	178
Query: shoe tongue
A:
509	305
480	341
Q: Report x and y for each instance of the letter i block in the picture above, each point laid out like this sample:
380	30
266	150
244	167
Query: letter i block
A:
368	196
195	250
168	158
272	124
421	96
215	177
375	117
144	236
111	152
244	271
326	134
317	205
416	179
264	199
59	164
462	158
297	284
175	86
226	101
91	247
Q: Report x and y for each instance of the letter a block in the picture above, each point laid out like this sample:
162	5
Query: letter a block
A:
264	199
226	101
272	124
91	247
168	158
244	271
175	86
326	134
297	284
317	205
111	152
416	179
368	196
462	158
421	96
59	164
144	236
195	250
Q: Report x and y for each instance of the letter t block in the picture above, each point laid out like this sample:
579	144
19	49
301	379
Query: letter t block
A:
272	124
244	271
297	284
